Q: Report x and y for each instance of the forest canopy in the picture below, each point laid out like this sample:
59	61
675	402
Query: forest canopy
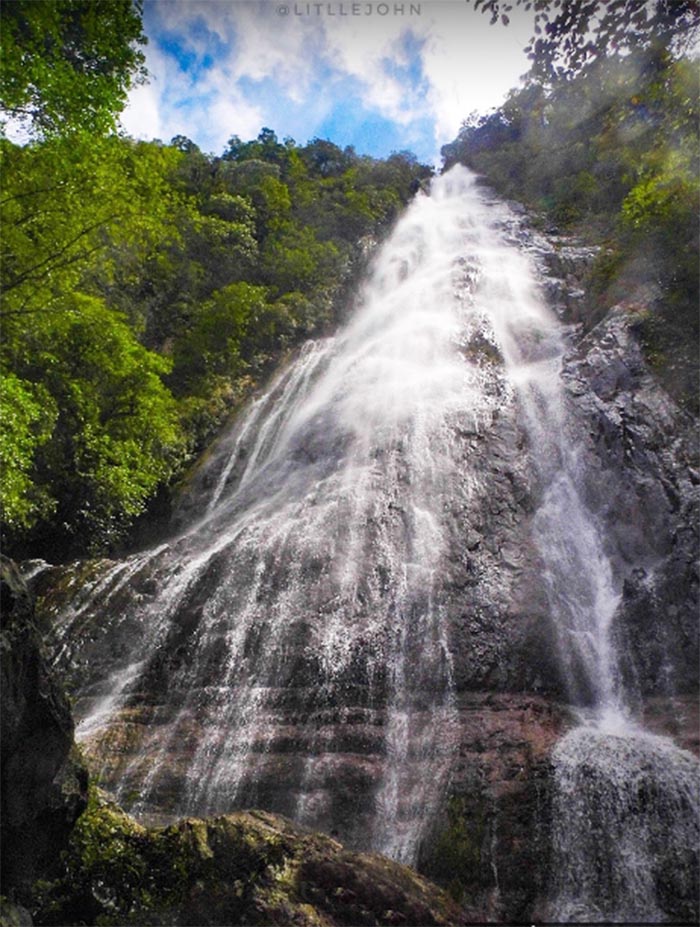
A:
147	287
69	65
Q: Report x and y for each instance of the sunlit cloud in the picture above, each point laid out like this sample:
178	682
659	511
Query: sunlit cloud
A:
224	67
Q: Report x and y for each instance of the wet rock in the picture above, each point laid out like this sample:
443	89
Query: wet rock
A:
641	454
318	748
244	868
44	783
566	264
490	843
677	717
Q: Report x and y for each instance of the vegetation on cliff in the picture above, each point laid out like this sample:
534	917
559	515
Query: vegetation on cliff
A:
606	146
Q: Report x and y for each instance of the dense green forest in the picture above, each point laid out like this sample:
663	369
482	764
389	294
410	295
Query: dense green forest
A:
602	142
148	287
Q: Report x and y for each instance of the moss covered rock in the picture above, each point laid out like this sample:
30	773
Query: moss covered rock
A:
243	868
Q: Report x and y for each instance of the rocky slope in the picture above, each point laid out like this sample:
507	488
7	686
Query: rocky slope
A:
645	484
641	454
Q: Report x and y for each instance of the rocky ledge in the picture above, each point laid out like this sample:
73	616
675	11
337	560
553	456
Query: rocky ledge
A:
243	868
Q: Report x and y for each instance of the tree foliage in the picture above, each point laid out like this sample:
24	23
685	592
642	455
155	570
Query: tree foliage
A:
147	288
28	416
63	201
116	429
571	34
68	64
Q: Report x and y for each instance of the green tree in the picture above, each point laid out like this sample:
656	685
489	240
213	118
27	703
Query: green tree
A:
28	414
64	202
147	288
294	259
115	433
212	348
68	64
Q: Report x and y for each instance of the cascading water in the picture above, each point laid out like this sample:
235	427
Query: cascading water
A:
316	563
626	816
314	582
627	803
626	831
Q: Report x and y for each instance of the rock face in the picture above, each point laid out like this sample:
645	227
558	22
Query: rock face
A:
437	727
320	748
44	784
642	455
244	868
641	452
489	842
644	483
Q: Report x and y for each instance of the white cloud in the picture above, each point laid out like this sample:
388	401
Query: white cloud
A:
204	104
232	115
142	116
203	53
367	49
470	64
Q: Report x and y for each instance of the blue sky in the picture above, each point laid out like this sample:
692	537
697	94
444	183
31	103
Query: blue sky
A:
380	76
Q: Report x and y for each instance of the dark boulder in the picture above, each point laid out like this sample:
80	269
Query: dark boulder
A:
44	783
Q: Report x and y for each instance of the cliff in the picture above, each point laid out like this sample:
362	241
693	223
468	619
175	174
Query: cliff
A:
396	672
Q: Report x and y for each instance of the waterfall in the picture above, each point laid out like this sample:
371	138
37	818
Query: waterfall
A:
302	614
314	561
626	832
626	815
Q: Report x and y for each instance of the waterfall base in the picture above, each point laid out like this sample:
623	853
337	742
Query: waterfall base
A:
626	829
